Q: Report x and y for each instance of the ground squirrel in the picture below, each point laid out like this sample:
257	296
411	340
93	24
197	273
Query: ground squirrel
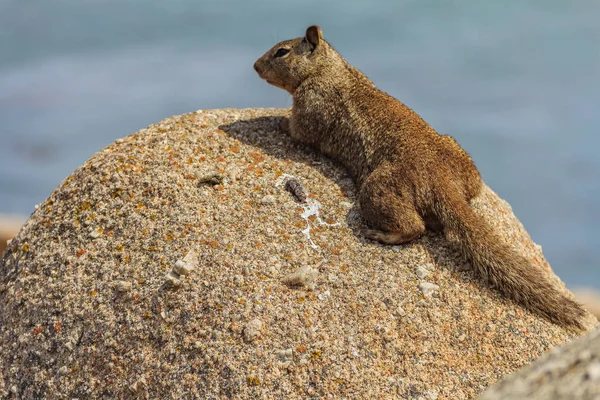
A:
409	177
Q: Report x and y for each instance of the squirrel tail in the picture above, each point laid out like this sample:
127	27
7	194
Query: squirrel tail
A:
506	270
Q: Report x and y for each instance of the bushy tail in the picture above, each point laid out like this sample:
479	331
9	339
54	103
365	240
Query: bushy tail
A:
506	270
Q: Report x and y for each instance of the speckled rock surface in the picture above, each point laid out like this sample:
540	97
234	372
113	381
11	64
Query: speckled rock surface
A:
570	372
176	264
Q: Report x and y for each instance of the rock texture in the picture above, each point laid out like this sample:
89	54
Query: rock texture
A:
177	263
570	372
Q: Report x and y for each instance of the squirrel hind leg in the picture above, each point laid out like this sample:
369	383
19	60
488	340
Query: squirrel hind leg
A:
392	217
391	237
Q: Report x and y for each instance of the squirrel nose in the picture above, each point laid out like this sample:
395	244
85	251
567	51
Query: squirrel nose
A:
256	67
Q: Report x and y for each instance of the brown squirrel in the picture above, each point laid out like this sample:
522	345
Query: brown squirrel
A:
409	177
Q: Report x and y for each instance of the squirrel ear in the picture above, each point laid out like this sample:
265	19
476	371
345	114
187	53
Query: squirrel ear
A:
314	35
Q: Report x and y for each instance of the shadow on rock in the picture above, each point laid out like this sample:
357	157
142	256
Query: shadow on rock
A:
277	143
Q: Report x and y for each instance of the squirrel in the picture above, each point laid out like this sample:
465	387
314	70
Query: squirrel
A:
409	177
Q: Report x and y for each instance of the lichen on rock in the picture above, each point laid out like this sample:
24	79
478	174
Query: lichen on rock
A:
85	315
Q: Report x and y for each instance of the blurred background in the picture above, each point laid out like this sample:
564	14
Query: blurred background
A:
517	83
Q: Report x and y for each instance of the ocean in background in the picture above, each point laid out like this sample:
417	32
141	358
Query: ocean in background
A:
516	83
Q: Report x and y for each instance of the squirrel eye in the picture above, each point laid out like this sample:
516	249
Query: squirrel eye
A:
281	52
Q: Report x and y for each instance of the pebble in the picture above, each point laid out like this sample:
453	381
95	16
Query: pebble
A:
138	385
301	277
345	204
172	279
123	286
94	234
422	272
63	370
428	288
273	271
325	295
268	199
213	178
238	280
182	268
297	190
252	330
285	355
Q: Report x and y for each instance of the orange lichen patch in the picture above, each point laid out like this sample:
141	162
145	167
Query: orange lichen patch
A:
301	349
235	148
256	157
85	206
253	380
80	252
57	326
214	244
116	192
38	329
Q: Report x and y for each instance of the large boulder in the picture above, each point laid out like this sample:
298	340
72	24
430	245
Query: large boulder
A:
178	263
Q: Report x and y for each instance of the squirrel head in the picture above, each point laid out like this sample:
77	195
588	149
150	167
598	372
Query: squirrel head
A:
287	64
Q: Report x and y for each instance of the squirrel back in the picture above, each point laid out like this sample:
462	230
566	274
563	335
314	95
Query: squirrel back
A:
409	177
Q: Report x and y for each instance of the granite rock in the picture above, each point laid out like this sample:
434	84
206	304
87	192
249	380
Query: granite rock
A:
68	331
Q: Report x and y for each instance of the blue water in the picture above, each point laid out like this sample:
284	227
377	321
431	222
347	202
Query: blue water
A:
517	83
